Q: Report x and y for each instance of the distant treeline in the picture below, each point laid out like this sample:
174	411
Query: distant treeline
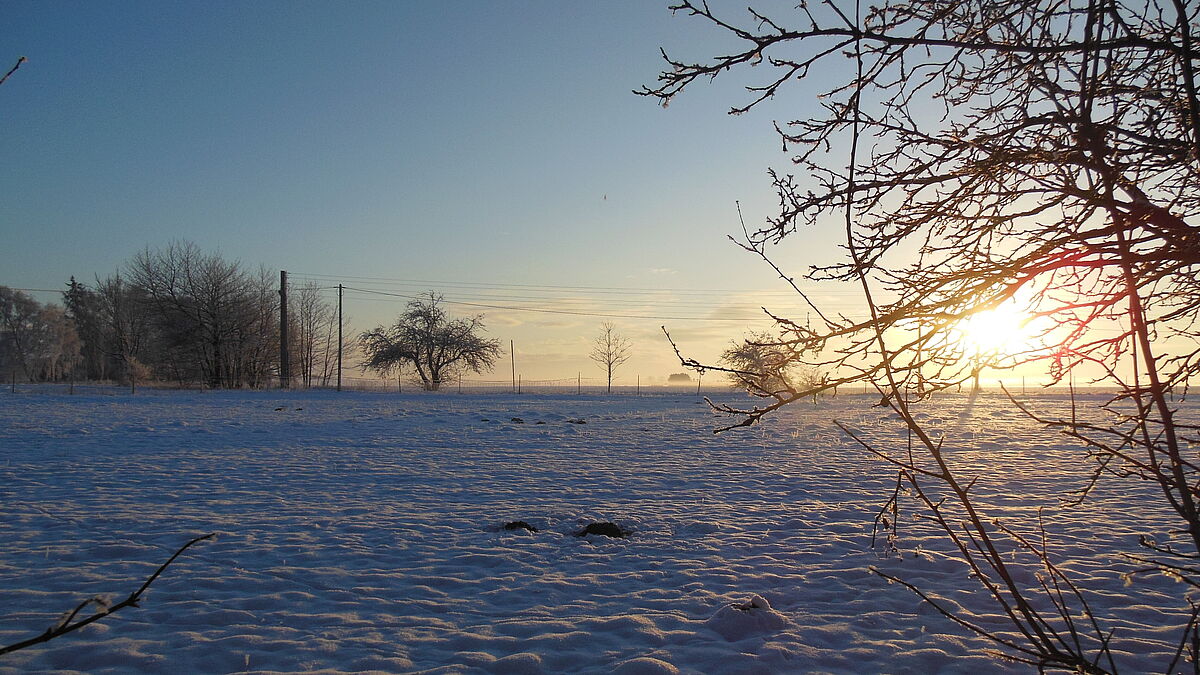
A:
176	315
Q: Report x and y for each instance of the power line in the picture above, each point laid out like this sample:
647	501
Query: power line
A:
553	287
608	302
645	304
555	311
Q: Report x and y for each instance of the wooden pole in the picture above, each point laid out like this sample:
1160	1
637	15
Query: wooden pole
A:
518	384
699	377
284	364
639	385
1071	384
920	380
339	337
512	355
578	383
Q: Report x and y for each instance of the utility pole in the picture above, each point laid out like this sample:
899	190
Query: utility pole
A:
920	380
512	354
339	337
284	365
578	383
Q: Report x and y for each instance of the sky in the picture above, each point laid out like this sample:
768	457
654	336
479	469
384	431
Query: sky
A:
493	152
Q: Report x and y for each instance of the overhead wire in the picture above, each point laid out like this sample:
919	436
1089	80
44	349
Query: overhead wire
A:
613	302
544	310
366	281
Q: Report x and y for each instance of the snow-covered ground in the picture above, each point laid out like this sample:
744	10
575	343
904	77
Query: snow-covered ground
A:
363	532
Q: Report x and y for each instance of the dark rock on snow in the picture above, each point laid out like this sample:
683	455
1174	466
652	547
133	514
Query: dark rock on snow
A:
520	525
606	529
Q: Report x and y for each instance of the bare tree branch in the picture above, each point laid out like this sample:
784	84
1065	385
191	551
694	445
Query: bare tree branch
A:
68	623
12	70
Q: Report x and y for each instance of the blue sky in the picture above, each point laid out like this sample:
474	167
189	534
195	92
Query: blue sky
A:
491	144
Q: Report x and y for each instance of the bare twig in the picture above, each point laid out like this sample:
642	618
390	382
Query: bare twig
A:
68	623
13	69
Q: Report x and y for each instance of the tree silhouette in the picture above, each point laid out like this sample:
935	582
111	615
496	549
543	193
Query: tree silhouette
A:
1044	154
434	344
610	350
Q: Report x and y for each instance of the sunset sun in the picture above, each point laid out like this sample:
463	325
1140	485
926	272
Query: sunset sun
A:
1003	330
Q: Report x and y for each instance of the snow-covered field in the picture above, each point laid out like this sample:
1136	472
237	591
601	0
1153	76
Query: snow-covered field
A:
363	532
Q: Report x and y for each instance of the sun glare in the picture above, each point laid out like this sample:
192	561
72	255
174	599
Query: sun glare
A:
1004	330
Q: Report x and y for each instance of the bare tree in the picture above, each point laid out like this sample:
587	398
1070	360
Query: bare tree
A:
762	365
255	349
55	346
126	326
434	344
610	350
315	331
18	321
767	367
1043	153
38	340
331	347
215	322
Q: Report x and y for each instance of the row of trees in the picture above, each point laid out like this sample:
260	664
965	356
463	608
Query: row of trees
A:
37	342
178	314
173	314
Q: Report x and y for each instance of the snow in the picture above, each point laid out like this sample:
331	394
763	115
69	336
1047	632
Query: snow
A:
364	532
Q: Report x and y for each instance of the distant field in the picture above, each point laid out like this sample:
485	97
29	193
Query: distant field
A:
363	531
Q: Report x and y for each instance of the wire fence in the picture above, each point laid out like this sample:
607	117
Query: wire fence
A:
406	385
564	385
582	386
